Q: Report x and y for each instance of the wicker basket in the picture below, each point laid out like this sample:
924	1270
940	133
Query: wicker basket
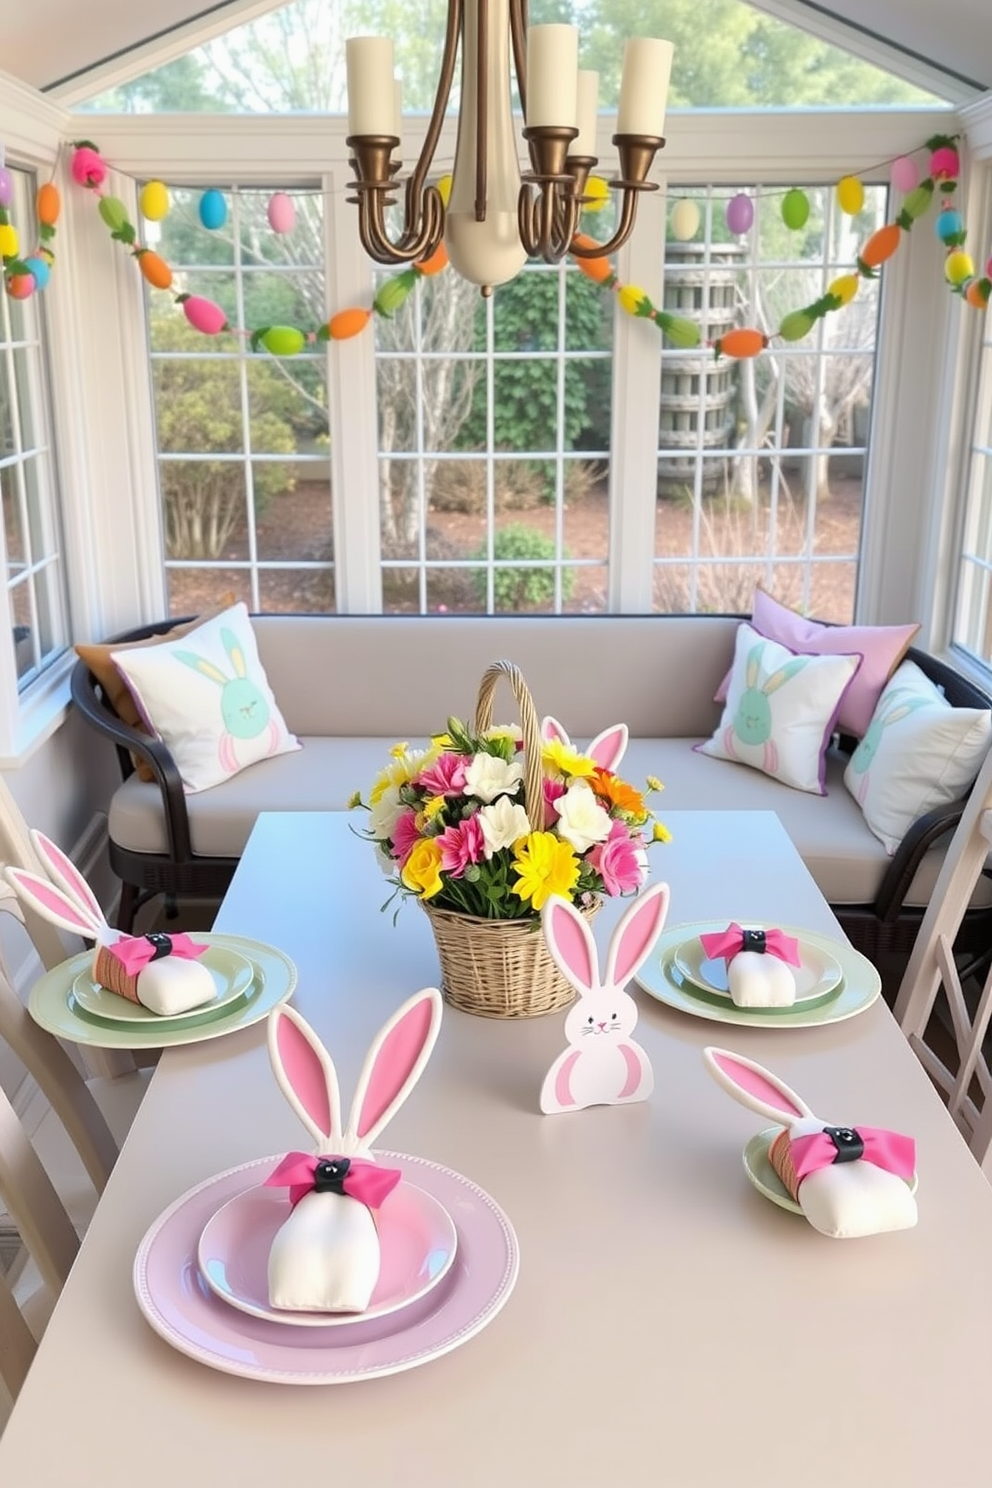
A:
502	968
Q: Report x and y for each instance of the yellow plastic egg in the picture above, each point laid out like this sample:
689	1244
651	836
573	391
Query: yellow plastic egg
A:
850	195
959	267
9	241
685	220
845	287
154	201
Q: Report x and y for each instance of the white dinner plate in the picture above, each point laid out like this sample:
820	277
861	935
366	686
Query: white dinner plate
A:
417	1241
661	978
231	973
758	1167
817	977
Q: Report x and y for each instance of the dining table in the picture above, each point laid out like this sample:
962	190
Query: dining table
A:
653	1320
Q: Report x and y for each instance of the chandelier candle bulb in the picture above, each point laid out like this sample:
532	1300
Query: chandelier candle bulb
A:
552	76
587	116
371	103
647	69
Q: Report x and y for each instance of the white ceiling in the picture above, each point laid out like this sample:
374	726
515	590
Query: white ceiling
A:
71	49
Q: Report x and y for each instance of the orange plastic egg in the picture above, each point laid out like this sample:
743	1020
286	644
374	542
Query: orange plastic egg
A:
744	342
880	246
596	269
21	286
155	269
437	261
48	204
348	323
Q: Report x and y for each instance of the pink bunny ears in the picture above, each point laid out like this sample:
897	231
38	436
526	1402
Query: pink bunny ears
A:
64	898
393	1065
607	749
573	949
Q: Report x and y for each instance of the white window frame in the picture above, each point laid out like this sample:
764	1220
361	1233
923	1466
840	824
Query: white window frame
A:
775	146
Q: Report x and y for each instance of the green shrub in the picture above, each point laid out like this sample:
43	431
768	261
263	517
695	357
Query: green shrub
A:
521	588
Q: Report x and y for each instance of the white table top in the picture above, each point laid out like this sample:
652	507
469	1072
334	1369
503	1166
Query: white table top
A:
669	1329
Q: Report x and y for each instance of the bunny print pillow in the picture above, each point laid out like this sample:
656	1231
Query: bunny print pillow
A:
781	710
918	753
207	697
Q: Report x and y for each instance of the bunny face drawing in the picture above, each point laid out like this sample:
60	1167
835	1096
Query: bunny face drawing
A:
243	707
883	718
752	721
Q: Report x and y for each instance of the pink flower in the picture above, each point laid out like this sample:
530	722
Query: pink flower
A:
461	845
552	790
617	861
445	777
406	835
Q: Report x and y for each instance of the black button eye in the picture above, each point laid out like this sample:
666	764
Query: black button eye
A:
614	1017
589	1021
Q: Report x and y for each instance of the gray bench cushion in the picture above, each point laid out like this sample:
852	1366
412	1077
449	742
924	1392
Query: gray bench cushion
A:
847	862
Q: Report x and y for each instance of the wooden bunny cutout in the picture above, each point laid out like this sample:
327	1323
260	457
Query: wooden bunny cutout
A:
160	972
848	1181
602	1064
325	1257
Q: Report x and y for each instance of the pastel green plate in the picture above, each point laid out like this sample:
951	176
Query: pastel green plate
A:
661	978
53	1005
817	978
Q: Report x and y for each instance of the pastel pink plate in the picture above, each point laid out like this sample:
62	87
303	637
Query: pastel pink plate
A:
417	1240
180	1306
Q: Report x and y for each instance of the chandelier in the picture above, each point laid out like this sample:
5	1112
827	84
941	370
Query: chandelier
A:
495	218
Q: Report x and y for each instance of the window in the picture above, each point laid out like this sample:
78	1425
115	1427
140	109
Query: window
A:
972	627
241	433
494	429
35	574
761	461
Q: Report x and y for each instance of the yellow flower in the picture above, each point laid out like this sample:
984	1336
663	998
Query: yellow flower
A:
561	759
660	833
422	869
355	799
546	865
404	767
432	807
654	784
443	741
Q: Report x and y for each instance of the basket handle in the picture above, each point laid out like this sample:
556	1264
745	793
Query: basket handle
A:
533	773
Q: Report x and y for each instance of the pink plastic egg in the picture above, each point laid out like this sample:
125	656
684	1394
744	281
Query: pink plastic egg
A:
204	315
944	164
281	213
904	173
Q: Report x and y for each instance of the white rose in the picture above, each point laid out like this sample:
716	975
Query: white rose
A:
386	812
488	776
582	821
502	824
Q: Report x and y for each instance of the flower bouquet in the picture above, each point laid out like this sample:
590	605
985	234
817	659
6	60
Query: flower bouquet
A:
483	825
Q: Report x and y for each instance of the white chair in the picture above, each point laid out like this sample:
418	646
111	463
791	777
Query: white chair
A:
50	1239
954	1057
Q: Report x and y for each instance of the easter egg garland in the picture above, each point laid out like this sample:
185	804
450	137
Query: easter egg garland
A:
89	169
26	274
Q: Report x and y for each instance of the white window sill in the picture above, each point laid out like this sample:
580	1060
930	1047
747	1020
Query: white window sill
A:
37	714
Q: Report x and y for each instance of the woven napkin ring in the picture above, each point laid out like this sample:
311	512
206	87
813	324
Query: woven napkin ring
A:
109	970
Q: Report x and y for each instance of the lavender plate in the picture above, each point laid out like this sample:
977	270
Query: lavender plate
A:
180	1306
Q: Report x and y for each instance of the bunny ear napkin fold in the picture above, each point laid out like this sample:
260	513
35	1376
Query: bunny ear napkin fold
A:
849	1181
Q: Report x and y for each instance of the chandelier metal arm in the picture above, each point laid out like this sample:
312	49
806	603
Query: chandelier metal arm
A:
518	36
637	152
423	216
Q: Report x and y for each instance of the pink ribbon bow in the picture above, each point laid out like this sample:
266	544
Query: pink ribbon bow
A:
301	1172
728	943
837	1144
135	952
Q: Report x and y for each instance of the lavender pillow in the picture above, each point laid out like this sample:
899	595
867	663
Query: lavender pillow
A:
882	648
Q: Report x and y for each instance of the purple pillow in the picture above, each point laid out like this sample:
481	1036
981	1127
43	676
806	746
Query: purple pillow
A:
882	647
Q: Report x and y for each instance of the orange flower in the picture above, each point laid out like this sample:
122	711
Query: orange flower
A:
616	792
